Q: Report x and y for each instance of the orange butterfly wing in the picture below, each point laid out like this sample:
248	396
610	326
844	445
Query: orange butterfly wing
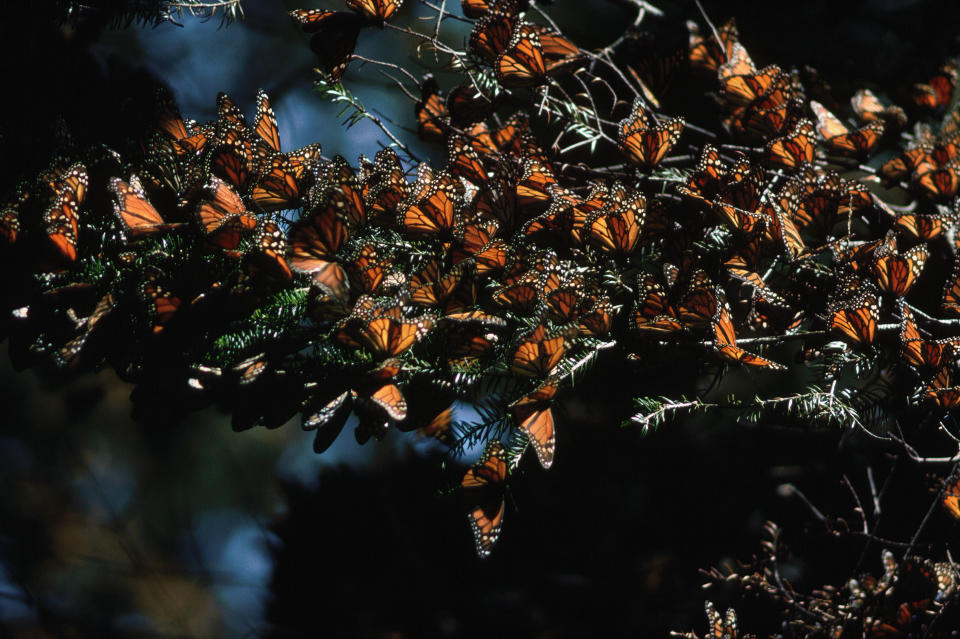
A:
856	320
647	145
377	10
483	490
137	216
521	64
265	125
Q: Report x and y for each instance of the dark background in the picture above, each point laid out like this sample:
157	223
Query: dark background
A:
111	527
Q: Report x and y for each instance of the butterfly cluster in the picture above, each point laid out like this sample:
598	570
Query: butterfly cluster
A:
909	598
389	294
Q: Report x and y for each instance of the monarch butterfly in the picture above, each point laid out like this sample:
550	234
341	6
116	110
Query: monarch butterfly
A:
440	428
168	176
510	137
161	303
533	188
481	138
453	292
9	225
653	313
170	122
839	139
366	269
474	8
230	117
251	369
383	330
474	235
480	8
234	162
463	161
563	299
521	62
920	352
329	420
169	119
492	257
265	126
707	177
940	392
768	117
66	354
742	85
74	178
856	197
941	152
558	218
497	198
917	587
856	318
781	228
950	301
270	246
618	230
388	189
375	10
386	401
433	119
725	344
859	257
316	239
478	241
538	352
466	106
342	191
223	216
936	93
894	169
702	302
136	215
61	223
646	145
951	498
282	182
896	273
738	202
793	149
432	209
721	627
820	198
521	297
580	210
938	183
483	486
922	227
920	156
559	53
491	36
334	36
706	54
466	343
596	317
534	417
739	267
869	108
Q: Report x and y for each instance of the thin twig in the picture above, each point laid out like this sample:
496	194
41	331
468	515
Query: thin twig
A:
933	506
856	498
